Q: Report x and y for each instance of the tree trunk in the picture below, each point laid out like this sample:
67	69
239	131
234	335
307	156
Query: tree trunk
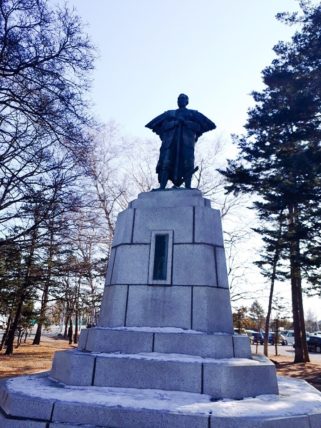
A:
276	336
268	314
14	326
66	326
45	295
42	315
273	277
36	339
70	331
22	294
5	334
76	328
301	349
19	338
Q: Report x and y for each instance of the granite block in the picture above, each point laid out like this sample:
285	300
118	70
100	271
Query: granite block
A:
208	227
16	423
113	308
24	406
288	422
110	266
148	373
242	346
83	339
221	269
159	306
3	391
170	198
315	420
237	380
124	227
73	367
237	422
203	345
123	417
62	425
107	340
179	219
212	310
194	265
131	265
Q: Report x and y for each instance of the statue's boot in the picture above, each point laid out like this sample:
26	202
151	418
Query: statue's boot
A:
188	181
163	178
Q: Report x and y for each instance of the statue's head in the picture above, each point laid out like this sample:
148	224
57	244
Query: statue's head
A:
182	100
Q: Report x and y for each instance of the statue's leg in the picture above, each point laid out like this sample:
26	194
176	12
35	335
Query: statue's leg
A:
163	178
188	181
188	165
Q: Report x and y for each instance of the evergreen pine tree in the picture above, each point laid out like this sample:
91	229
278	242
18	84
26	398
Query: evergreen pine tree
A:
280	157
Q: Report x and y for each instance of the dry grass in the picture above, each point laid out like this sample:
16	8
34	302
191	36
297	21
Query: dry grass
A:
30	358
311	372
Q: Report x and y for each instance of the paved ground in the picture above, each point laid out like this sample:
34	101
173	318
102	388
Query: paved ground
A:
287	351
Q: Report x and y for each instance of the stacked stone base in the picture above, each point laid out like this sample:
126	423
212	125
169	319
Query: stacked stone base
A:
39	402
191	361
158	378
164	354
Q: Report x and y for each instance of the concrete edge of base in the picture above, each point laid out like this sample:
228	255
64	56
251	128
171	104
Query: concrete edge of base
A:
69	410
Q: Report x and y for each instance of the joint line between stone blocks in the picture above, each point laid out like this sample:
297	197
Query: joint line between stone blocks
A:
112	267
132	235
126	306
202	379
52	412
94	372
153	343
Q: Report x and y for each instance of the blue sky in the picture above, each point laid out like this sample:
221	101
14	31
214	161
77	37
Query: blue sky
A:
149	51
152	50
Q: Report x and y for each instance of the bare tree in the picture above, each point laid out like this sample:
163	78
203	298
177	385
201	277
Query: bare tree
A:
44	62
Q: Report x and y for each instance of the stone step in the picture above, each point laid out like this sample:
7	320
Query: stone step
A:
221	378
165	340
37	402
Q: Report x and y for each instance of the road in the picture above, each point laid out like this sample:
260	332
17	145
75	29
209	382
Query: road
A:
286	350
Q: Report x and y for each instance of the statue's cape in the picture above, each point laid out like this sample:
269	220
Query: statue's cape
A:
157	124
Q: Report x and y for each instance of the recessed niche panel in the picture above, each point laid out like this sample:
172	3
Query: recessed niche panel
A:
160	263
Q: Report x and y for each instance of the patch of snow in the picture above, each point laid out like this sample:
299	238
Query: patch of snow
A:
160	330
296	397
182	358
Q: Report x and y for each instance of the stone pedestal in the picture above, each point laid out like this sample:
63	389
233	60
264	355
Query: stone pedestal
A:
164	350
194	292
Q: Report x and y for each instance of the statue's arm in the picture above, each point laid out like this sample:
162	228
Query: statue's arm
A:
205	123
157	123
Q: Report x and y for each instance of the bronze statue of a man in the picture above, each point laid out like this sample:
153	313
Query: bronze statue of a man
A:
179	130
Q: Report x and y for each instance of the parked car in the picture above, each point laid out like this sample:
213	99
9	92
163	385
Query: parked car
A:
281	339
314	344
289	337
257	338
